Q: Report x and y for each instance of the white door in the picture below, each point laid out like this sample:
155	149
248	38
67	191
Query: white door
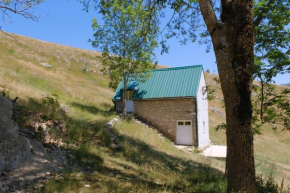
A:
129	106
184	133
129	101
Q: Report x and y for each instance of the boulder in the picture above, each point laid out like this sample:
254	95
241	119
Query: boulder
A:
1	162
115	120
14	150
17	155
110	125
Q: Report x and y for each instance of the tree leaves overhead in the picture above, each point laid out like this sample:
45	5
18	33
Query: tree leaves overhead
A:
272	38
127	38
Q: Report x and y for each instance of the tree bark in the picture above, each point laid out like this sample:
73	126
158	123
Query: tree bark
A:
124	93
233	42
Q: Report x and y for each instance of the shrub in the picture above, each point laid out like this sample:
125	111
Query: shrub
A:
265	185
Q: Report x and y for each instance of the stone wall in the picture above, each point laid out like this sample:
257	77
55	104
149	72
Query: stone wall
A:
14	150
119	106
163	114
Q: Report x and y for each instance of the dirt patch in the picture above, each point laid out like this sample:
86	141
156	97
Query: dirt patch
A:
45	162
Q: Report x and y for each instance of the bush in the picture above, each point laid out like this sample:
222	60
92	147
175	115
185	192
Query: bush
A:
268	184
52	106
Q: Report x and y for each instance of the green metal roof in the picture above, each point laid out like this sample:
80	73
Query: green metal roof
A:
166	83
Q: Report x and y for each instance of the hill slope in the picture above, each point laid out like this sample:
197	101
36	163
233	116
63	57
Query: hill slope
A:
33	70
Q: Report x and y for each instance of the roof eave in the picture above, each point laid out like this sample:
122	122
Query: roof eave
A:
167	98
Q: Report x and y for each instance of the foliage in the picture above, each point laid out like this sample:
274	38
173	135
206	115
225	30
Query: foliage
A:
220	127
272	38
126	38
210	93
52	105
271	107
268	184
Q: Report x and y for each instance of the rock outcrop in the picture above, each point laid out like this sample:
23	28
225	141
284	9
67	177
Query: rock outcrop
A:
14	150
109	126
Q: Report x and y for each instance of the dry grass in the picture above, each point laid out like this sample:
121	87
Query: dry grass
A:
23	76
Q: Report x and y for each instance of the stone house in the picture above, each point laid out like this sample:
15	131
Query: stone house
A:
173	100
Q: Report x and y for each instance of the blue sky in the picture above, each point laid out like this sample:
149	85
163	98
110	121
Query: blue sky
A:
65	22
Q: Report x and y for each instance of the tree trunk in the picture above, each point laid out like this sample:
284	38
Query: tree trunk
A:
233	42
124	97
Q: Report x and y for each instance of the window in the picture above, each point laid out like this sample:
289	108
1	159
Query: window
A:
203	126
180	123
184	123
129	95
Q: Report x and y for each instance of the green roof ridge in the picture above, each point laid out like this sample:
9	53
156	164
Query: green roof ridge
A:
176	68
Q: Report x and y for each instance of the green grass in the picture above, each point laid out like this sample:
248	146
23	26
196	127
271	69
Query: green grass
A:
146	163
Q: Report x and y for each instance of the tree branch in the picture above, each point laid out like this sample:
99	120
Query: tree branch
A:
8	8
263	12
208	14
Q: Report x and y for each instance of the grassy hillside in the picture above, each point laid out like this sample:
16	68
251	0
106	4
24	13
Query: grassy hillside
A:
33	70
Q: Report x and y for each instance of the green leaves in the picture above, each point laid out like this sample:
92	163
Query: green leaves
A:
271	106
272	37
127	38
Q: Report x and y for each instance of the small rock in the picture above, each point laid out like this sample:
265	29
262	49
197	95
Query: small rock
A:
115	120
87	186
116	146
7	182
43	126
64	108
6	188
45	65
110	125
22	183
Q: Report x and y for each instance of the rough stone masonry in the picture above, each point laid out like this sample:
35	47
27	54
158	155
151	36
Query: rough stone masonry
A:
14	149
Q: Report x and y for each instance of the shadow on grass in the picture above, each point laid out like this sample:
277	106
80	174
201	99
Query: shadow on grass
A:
94	109
188	176
142	154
